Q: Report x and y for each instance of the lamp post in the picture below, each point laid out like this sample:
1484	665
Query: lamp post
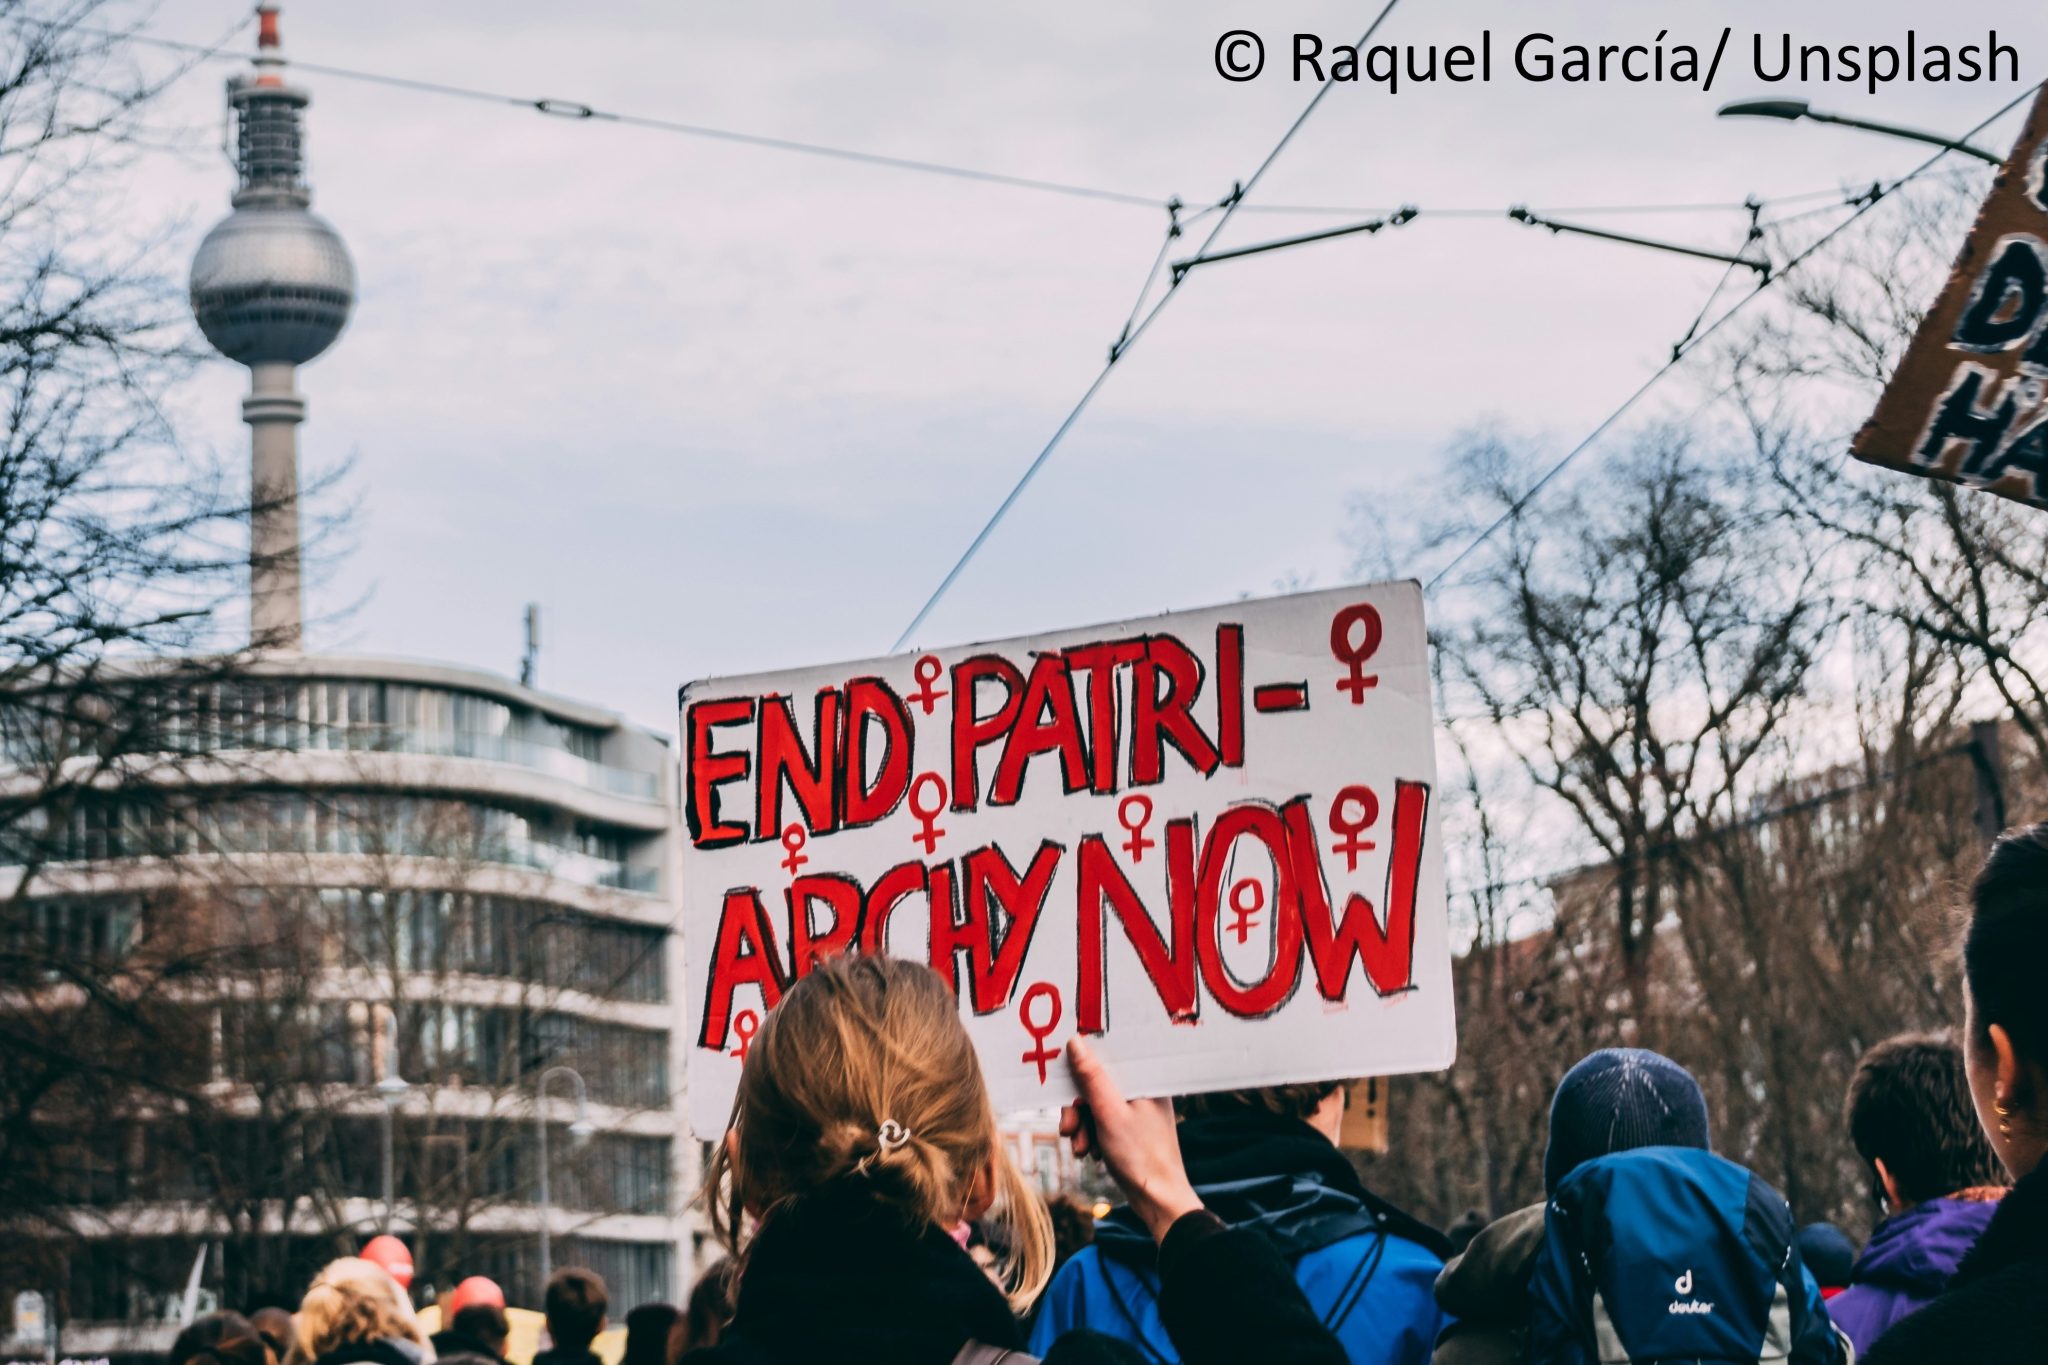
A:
1794	110
391	1089
580	1131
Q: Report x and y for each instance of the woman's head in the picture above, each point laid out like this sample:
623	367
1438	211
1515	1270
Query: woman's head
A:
2003	958
710	1309
647	1331
205	1331
864	1074
350	1301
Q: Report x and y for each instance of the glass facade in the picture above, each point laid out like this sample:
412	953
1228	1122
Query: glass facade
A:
490	1162
438	933
442	932
313	972
360	823
355	716
496	1048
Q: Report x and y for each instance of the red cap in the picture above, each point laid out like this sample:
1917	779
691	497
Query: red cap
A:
387	1251
474	1292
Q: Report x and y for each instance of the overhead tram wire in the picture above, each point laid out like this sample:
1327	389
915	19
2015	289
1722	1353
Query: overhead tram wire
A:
1870	200
580	111
1125	343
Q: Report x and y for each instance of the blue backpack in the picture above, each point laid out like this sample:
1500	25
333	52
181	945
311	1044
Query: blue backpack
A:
1673	1254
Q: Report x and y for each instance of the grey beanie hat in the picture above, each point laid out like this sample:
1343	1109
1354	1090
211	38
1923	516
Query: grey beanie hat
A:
1617	1099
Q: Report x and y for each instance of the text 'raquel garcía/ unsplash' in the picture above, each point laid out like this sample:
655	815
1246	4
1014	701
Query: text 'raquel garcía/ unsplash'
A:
1664	57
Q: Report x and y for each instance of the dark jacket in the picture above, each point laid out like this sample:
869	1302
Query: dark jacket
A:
557	1356
1365	1267
454	1343
378	1351
1995	1310
837	1277
1911	1258
1487	1291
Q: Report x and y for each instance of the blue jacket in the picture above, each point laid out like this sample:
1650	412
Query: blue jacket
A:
1368	1270
1911	1258
1672	1253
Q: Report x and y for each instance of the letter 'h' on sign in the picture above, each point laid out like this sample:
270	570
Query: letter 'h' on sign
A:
1970	400
1207	841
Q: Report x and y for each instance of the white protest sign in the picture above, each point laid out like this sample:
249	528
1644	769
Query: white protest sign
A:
1208	841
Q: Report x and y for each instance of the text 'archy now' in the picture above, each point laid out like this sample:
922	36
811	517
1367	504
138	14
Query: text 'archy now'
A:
985	911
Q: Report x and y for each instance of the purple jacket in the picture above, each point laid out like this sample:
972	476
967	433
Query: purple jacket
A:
1909	1260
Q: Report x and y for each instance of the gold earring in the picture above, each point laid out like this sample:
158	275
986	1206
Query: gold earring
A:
2004	1118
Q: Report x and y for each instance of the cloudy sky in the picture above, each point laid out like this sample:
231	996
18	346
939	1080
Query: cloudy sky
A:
720	409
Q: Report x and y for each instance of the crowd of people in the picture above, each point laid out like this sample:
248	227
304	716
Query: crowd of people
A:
872	1215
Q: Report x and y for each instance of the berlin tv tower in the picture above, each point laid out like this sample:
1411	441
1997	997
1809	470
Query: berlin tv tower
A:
272	286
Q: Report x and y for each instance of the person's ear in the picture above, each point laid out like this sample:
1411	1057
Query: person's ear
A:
1889	1183
2012	1081
981	1191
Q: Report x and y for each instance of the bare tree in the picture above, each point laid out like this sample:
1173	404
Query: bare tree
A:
122	552
1638	648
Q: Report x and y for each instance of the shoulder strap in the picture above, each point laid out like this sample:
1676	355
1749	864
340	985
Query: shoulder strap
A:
981	1353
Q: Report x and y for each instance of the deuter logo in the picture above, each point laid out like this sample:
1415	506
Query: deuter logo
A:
1686	1303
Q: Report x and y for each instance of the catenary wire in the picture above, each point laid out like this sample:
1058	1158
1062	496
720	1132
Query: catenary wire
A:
1521	504
579	110
1123	348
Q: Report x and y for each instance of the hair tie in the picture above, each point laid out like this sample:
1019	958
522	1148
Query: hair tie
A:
891	1135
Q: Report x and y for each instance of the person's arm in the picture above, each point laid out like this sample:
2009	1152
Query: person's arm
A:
1226	1295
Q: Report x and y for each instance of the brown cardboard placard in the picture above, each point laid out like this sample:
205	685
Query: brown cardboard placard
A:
1365	1117
1969	402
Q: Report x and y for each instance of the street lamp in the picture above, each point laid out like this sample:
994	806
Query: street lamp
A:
391	1089
579	1131
1794	110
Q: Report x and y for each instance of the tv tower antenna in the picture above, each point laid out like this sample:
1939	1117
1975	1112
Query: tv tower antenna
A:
272	286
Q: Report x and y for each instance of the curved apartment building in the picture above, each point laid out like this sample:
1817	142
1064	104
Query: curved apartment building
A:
453	890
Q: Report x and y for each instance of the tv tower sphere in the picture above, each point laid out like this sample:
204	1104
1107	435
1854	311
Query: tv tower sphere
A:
272	283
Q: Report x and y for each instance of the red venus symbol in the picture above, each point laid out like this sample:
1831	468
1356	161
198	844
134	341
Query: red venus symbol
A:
793	840
1355	655
1137	843
928	832
1247	898
745	1025
1350	826
1040	1053
927	671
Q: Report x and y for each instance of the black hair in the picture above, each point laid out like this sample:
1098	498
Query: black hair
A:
1909	1107
2008	940
647	1332
575	1303
205	1332
483	1321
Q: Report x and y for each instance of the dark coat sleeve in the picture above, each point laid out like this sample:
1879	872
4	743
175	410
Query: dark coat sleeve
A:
1227	1297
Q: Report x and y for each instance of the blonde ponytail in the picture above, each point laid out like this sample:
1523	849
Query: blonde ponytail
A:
865	1073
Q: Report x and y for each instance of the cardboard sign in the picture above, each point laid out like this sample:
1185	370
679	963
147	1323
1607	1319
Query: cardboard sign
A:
1207	841
1365	1127
1970	400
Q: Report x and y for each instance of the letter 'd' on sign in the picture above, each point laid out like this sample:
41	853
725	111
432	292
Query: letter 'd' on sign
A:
1970	400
